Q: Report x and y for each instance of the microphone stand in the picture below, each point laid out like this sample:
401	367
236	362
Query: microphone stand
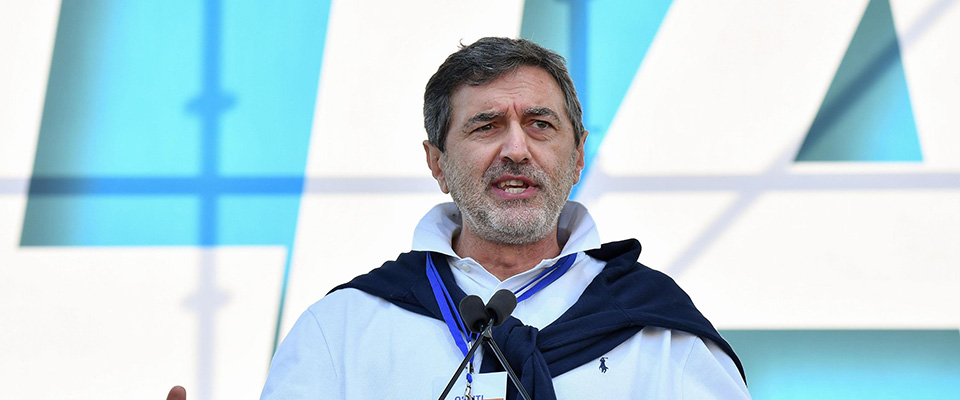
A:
487	337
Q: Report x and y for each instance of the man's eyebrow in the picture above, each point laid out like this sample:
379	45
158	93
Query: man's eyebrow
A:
485	116
542	112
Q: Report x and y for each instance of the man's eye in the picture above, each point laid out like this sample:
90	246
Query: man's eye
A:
486	127
541	124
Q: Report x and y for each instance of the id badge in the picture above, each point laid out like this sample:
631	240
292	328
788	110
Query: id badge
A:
487	386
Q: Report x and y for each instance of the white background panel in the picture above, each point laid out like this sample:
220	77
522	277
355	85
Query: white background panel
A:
340	236
11	220
123	322
835	259
377	60
929	45
666	224
728	87
27	32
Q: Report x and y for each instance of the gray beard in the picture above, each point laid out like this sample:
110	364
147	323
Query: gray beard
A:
513	222
517	228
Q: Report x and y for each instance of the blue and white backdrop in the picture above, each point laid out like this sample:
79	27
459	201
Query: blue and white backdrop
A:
180	179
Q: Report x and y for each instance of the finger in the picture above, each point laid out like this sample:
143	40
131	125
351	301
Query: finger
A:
177	393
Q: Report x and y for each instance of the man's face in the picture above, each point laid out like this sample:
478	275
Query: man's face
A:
510	159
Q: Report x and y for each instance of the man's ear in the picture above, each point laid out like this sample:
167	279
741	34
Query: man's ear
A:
436	165
581	154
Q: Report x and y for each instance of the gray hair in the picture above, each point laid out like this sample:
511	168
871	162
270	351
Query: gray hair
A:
486	60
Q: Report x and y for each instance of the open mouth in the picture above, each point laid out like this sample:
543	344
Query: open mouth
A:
513	186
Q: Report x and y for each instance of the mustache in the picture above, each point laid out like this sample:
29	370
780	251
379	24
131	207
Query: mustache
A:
534	174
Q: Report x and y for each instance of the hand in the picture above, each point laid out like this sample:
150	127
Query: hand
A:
177	393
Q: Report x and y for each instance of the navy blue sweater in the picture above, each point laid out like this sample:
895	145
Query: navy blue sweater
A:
625	297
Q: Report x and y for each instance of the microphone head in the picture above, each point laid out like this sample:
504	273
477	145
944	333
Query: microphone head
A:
473	313
501	305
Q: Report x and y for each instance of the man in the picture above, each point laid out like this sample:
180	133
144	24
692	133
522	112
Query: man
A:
506	141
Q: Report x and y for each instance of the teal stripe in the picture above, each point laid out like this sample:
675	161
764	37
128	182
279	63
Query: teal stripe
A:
866	114
849	364
159	114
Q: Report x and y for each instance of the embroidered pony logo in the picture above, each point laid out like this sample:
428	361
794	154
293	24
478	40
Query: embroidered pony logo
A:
603	365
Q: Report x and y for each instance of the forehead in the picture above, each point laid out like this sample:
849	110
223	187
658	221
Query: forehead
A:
523	88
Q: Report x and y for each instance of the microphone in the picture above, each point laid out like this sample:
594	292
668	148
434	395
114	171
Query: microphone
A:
473	313
480	318
500	306
477	316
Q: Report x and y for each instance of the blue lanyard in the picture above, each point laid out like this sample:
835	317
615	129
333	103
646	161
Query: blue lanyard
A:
547	276
449	310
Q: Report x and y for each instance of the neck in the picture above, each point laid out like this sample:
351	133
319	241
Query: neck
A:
504	260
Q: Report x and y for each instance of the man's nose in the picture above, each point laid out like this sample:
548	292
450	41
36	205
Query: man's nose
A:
515	147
